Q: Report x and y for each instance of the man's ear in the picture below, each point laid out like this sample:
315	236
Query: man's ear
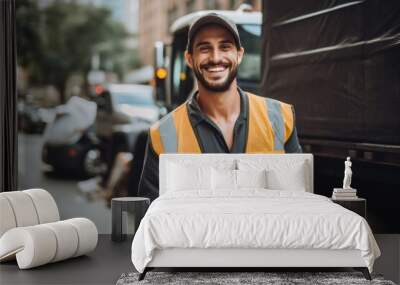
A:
188	58
240	54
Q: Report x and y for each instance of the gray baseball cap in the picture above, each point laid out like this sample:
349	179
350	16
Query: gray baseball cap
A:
208	19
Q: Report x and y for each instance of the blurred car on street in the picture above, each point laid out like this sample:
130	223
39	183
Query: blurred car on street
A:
70	143
31	119
124	111
122	106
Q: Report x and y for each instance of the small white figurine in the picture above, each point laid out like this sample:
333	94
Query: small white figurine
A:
347	174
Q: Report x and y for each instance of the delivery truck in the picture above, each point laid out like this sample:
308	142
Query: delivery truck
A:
338	63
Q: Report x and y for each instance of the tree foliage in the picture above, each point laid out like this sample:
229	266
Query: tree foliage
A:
59	40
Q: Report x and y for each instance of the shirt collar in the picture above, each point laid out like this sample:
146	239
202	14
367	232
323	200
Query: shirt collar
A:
197	115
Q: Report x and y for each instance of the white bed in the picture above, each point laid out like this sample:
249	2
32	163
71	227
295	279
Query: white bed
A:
198	223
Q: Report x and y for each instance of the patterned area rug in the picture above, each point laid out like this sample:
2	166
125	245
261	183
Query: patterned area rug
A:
273	278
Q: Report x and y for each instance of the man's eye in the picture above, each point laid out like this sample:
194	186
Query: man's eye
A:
204	49
225	47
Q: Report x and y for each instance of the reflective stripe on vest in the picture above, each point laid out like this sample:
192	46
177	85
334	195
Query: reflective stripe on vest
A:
174	133
270	124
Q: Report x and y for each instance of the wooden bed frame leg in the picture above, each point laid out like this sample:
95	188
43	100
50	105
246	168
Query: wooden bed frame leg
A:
143	274
364	271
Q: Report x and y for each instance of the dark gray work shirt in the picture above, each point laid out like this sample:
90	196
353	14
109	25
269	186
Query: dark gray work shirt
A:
210	140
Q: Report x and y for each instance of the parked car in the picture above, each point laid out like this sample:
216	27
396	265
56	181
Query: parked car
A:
70	143
31	118
123	112
124	104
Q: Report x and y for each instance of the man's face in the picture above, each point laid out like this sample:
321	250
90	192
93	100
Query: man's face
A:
214	58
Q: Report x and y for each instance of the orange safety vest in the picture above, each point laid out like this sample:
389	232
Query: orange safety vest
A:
270	126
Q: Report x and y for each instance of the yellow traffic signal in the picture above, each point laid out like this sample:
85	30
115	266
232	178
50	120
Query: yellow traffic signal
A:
161	73
182	76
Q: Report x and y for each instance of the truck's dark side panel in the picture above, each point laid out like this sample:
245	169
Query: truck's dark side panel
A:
338	62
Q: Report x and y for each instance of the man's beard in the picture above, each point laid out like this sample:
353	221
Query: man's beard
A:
218	87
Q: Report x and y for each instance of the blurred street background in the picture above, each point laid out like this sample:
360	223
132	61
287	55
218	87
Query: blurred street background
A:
88	150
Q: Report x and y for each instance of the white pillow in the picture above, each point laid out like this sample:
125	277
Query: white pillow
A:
282	174
251	178
181	177
227	179
292	179
223	179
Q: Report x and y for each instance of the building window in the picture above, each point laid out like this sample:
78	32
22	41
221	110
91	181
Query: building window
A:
191	5
210	4
172	15
233	4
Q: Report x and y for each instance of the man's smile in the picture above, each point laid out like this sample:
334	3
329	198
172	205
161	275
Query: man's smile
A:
216	75
215	70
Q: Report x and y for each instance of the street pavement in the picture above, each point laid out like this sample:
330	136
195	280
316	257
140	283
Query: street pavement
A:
71	203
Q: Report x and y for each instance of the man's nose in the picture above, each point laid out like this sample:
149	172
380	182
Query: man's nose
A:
215	56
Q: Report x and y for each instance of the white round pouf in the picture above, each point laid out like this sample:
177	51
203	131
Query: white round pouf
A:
87	233
33	246
31	232
23	208
7	218
67	240
46	207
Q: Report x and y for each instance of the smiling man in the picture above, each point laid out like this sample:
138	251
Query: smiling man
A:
219	117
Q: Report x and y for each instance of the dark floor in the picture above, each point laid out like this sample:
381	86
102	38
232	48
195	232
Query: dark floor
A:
388	263
110	259
103	266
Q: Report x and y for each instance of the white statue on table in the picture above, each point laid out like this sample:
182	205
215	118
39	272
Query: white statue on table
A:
347	174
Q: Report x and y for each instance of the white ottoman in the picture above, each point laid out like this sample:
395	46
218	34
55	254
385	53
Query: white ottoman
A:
31	232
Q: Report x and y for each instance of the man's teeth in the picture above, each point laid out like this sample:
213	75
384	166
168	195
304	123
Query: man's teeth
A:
216	69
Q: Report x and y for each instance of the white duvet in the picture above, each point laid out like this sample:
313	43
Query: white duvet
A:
252	218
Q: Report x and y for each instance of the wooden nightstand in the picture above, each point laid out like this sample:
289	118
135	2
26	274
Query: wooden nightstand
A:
358	205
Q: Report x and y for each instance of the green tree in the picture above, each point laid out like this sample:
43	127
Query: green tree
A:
29	44
65	36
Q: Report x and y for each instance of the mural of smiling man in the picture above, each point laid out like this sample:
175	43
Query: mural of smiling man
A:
219	117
